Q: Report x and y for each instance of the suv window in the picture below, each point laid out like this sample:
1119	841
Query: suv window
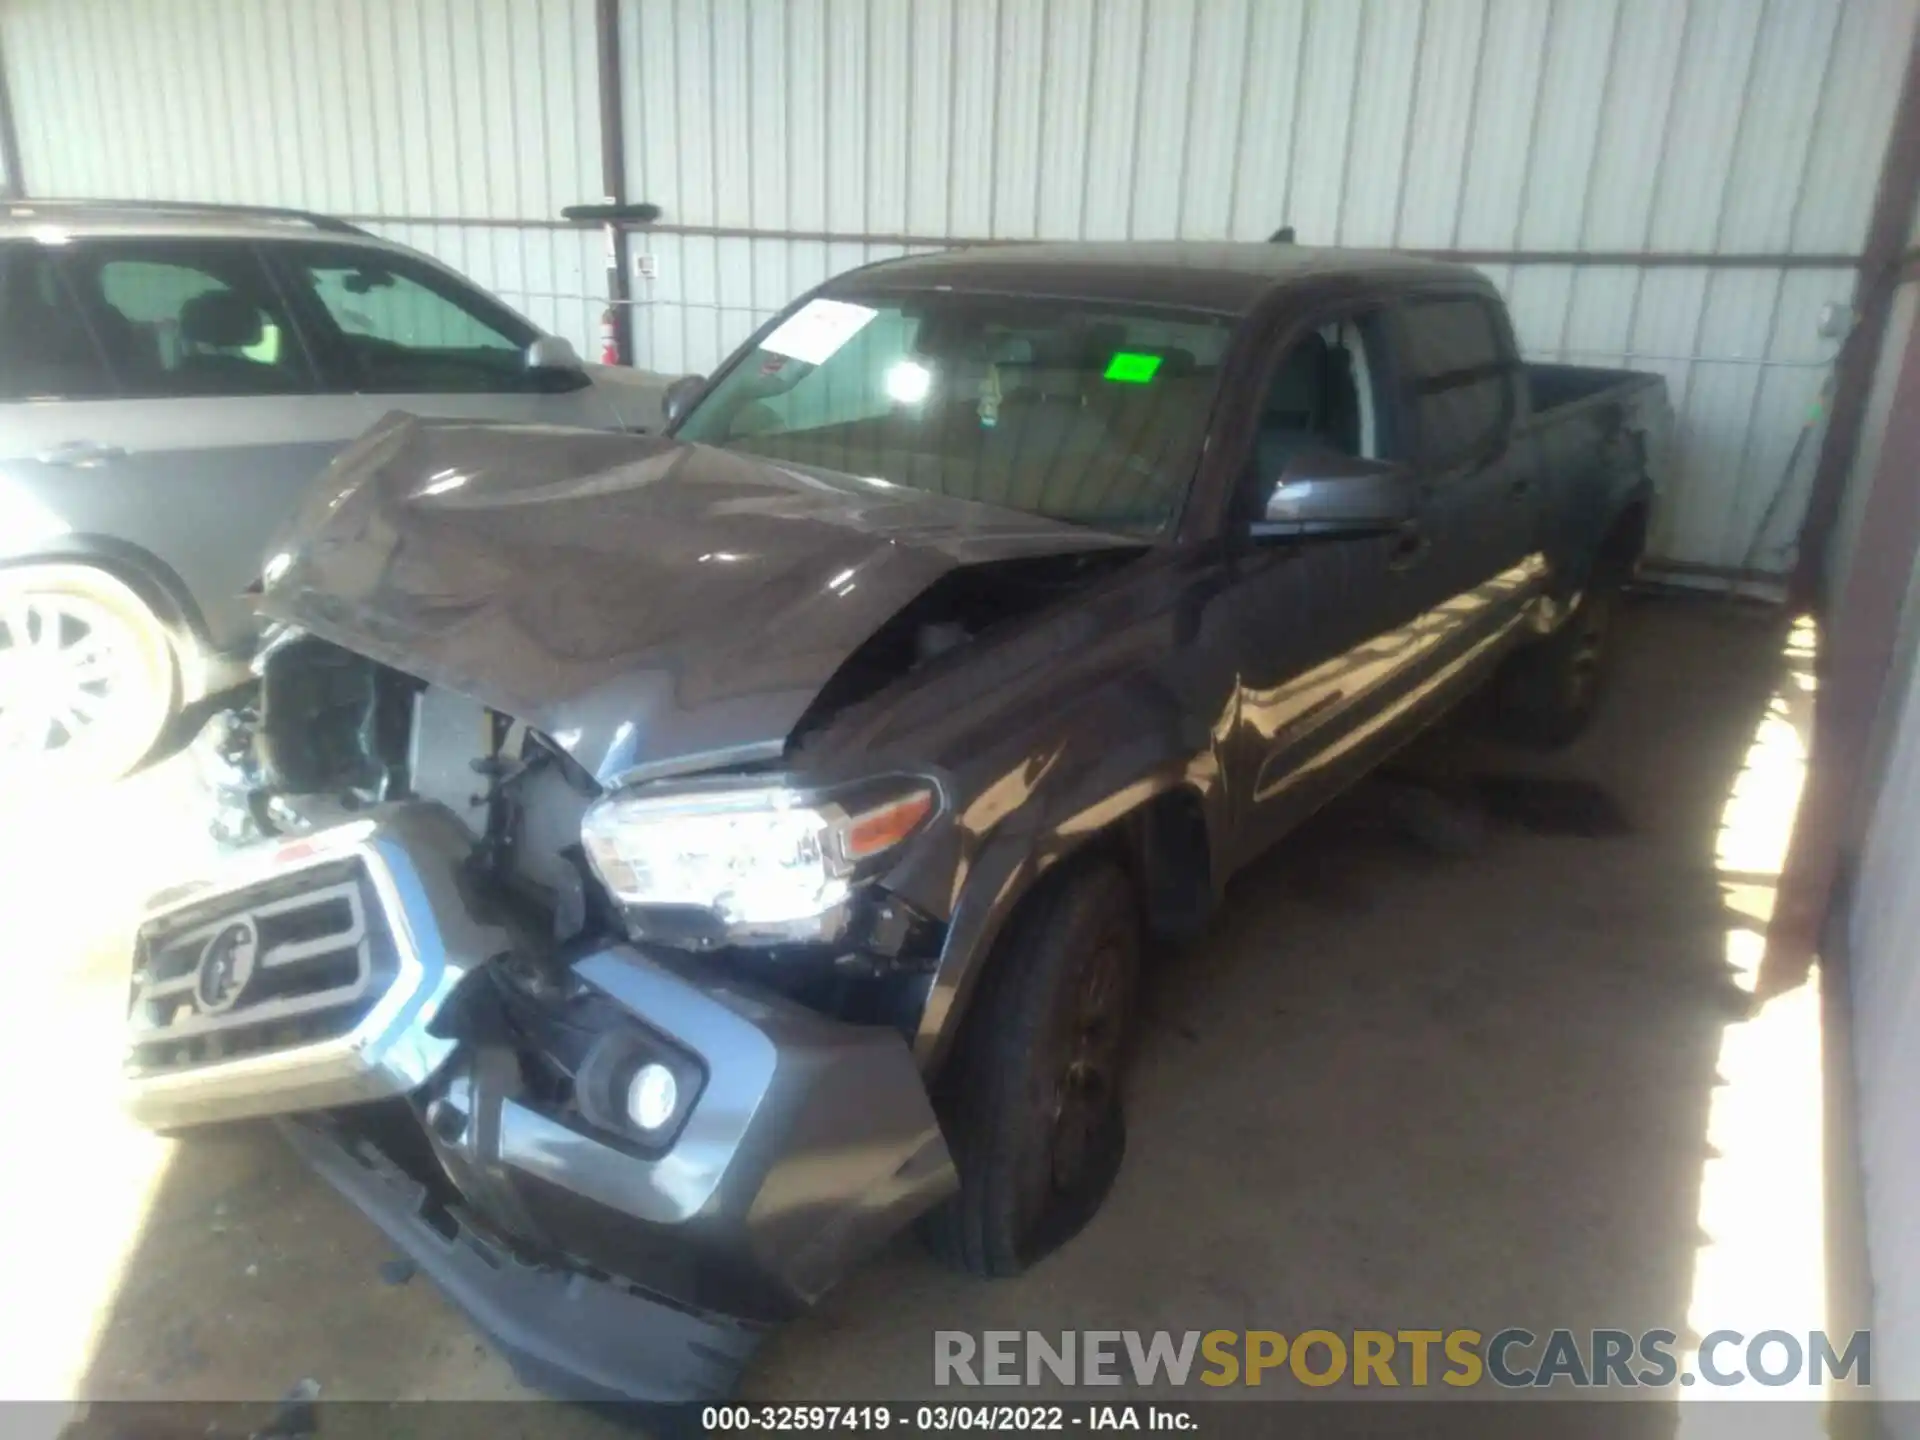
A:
188	318
1459	378
393	325
46	351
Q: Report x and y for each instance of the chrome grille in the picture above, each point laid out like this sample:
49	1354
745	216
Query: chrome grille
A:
291	960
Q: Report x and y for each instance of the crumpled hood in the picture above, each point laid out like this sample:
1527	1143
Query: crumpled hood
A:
652	606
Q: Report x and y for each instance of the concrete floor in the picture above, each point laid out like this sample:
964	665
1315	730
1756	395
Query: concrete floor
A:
1389	1088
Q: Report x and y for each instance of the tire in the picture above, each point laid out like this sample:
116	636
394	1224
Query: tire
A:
1549	692
1035	1125
87	676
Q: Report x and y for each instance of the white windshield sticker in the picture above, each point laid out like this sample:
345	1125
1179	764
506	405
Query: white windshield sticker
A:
817	329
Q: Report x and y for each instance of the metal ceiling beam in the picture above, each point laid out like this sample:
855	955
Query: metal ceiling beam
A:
1625	259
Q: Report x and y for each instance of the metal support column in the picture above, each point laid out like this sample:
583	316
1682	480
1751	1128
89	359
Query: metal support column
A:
613	175
15	186
1861	623
1880	263
1861	630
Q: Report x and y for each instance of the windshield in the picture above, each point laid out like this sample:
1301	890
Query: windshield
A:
1079	412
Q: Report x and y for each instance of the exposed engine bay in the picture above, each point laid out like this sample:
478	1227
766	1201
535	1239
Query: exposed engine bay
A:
598	1125
329	733
956	610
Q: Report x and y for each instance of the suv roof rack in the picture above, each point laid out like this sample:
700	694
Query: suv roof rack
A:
331	223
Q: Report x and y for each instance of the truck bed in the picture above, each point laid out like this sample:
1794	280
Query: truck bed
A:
1578	418
1553	387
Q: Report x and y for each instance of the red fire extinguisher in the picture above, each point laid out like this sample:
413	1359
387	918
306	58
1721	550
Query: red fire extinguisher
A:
615	216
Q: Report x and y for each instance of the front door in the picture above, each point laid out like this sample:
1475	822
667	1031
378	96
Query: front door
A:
1330	631
405	334
158	401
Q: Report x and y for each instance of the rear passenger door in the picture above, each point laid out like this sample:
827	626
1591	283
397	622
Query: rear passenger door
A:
1461	391
157	396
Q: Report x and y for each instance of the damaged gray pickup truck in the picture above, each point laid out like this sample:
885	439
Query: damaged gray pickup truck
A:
677	863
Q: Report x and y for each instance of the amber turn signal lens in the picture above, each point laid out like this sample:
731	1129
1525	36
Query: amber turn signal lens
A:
886	826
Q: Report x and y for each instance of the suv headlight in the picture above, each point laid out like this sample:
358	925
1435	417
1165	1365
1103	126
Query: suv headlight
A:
763	861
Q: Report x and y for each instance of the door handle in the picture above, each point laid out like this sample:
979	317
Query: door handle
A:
1410	544
81	454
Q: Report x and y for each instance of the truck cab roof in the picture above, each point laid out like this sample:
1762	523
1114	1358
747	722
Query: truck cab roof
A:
1222	276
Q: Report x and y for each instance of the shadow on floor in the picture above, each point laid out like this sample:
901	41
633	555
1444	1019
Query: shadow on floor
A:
1397	1085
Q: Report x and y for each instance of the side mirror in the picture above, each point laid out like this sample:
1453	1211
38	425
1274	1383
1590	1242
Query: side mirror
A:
1339	495
680	395
551	355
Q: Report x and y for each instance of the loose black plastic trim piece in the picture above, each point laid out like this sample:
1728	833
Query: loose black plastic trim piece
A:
566	1334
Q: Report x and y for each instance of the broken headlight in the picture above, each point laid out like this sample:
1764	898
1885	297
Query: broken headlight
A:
766	863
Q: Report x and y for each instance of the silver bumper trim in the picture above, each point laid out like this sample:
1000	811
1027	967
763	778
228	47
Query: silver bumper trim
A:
411	853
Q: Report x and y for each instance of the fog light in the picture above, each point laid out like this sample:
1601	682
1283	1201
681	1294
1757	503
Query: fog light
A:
652	1096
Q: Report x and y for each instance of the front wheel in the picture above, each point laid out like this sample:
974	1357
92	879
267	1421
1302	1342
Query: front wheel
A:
86	676
1548	692
1036	1127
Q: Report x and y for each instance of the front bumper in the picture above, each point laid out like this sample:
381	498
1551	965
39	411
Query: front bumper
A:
811	1143
565	1333
603	1267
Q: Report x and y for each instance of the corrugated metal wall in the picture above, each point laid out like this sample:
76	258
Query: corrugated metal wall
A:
480	112
822	133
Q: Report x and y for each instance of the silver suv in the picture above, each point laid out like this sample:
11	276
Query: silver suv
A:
171	377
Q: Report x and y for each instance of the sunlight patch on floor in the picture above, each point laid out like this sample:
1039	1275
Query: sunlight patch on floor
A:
72	877
1761	1264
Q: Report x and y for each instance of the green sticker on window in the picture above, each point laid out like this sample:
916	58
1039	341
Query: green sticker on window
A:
1130	367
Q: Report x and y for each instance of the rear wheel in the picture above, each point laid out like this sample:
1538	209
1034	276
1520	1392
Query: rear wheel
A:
86	675
1550	690
1036	1126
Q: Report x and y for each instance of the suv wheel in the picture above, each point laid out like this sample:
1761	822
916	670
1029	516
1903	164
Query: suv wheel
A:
86	675
1035	1127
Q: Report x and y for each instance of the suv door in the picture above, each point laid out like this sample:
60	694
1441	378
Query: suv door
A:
159	403
404	334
